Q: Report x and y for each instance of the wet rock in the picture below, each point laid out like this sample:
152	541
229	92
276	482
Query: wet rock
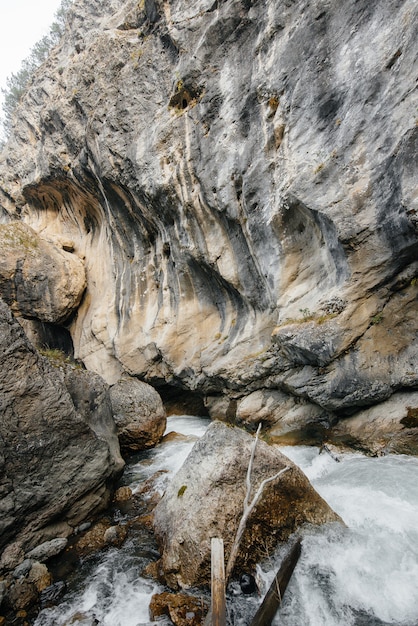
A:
22	594
182	609
139	414
205	500
51	594
153	488
123	494
48	549
99	536
247	584
82	619
115	535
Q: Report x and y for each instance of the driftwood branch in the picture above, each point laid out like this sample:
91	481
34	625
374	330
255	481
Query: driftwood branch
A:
218	601
248	506
272	600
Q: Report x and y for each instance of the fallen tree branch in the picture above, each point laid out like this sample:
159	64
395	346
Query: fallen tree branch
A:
249	506
273	598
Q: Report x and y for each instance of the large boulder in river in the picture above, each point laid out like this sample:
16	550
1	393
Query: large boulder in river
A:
205	500
55	468
139	414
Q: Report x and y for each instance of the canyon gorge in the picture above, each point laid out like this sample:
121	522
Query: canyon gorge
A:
217	198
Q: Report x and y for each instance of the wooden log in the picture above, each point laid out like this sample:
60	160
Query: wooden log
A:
218	601
272	600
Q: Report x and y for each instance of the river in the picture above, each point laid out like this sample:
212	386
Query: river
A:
363	575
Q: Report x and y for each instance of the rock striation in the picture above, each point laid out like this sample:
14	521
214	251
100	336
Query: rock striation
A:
240	180
56	464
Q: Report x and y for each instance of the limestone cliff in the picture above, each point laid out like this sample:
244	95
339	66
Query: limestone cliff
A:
239	177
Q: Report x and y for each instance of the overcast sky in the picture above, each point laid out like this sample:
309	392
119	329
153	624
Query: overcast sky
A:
22	24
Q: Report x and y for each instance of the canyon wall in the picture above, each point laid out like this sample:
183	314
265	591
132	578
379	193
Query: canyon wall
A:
238	178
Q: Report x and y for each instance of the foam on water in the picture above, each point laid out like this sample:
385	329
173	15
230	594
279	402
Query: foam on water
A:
114	594
170	455
363	574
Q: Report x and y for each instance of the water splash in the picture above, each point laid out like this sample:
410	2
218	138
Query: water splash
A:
361	575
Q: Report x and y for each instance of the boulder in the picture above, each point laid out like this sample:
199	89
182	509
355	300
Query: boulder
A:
139	414
40	576
22	594
91	397
54	469
287	419
99	536
388	427
11	556
205	500
38	279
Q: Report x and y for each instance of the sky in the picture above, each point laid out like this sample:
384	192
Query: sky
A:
22	24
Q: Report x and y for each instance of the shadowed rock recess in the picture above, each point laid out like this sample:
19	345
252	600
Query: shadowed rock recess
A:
239	179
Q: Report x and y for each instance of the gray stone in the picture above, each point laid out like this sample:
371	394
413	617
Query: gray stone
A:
139	414
53	466
23	569
47	549
287	419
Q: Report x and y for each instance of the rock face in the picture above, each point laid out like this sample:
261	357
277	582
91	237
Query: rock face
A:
55	468
205	500
139	414
390	426
240	177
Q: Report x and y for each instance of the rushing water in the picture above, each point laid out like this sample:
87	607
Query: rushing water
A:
363	575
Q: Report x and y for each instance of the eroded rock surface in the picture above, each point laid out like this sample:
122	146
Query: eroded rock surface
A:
139	414
55	469
391	426
241	180
38	279
205	500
